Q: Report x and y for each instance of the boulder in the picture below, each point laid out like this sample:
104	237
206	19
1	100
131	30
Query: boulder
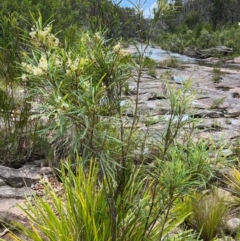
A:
24	176
12	192
215	51
46	171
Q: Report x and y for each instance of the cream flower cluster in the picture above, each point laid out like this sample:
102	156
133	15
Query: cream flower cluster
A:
117	48
119	51
38	70
43	37
43	64
31	69
75	64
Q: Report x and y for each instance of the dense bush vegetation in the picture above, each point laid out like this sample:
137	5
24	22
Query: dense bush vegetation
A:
200	37
201	24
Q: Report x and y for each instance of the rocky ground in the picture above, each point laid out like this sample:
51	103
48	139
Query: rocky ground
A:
16	187
217	103
217	107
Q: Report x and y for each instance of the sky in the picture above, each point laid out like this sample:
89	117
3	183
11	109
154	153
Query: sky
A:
146	5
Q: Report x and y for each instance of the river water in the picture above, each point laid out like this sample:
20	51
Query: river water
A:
159	54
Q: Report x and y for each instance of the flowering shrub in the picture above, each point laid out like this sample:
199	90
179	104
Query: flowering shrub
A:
77	85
